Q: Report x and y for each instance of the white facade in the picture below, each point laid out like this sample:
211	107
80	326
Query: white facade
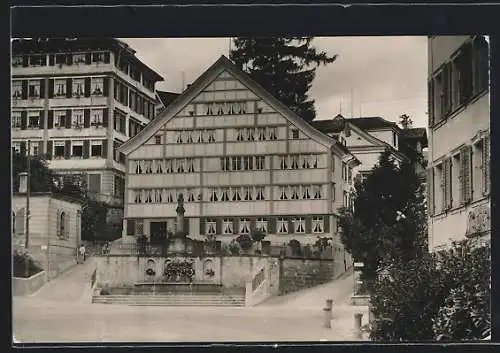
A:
459	139
242	161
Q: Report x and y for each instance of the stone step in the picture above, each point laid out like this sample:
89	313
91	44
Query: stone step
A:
172	300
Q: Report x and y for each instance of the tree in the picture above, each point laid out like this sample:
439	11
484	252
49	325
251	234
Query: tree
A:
389	218
41	176
282	65
405	121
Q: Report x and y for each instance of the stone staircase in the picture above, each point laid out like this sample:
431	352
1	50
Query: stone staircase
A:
170	299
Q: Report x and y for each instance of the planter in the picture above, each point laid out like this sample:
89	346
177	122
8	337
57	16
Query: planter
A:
26	286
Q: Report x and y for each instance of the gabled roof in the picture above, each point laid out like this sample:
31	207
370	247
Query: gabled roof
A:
166	98
415	134
221	65
337	124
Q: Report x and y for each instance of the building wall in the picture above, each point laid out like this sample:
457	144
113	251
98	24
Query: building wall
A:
459	143
54	251
282	140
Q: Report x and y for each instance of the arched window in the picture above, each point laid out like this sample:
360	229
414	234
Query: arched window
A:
62	225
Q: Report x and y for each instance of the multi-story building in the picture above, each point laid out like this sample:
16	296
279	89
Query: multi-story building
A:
368	137
77	100
459	139
242	161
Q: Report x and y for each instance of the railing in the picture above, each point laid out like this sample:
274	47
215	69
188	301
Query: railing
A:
93	278
258	279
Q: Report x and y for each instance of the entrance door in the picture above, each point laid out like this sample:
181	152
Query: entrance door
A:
158	230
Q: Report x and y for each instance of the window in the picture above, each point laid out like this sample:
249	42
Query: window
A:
77	118
260	193
239	134
17	89
306	192
317	225
62	225
158	140
60	59
227	226
78	87
179	136
33	120
16	146
94	185
480	64
294	191
38	60
248	193
283	192
456	191
261	134
179	164
248	163
249	134
96	149
119	123
96	117
305	162
77	149
16	120
59	149
137	196
17	60
244	226
190	165
315	161
97	86
462	77
79	58
295	161
190	194
299	225
260	162
213	195
34	89
224	194
282	225
272	133
261	225
235	191
295	134
317	191
98	57
59	118
283	162
236	163
60	88
211	226
211	135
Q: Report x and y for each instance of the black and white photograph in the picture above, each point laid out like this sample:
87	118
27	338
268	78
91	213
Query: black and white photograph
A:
250	189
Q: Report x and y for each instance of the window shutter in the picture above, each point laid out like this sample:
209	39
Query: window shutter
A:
50	147
24	119
58	223
88	58
291	230
42	120
50	119
69	87
40	148
23	148
105	113
271	225
67	149
202	231
461	178
104	149
105	86
218	225
42	88
20	221
430	191
68	119
51	88
130	226
308	224
326	223
486	165
236	225
24	90
51	59
87	86
467	181
86	118
86	148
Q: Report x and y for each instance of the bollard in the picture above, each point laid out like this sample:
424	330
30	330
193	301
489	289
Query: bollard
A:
329	305
327	312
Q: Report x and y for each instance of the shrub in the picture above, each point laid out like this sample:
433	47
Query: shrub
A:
245	242
234	247
296	247
258	235
20	261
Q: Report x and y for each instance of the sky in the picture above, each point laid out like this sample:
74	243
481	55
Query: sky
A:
372	76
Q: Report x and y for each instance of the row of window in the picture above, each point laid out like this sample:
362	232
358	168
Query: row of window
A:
226	194
60	119
160	166
256	134
132	99
459	80
461	178
81	58
74	149
243	163
60	88
299	161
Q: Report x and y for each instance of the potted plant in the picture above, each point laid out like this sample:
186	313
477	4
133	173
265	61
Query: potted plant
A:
295	246
245	242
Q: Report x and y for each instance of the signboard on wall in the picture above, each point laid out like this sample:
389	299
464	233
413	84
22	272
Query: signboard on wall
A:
479	220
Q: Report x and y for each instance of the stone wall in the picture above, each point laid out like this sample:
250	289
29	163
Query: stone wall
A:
296	274
26	286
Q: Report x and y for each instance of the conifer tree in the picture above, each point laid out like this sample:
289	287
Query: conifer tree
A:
285	67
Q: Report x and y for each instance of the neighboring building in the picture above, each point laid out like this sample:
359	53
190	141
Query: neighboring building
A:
459	139
77	100
368	137
242	160
164	99
55	228
412	142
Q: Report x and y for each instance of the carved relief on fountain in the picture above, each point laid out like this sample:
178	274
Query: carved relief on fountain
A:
479	220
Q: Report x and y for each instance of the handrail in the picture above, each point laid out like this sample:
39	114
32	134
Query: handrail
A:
258	279
93	278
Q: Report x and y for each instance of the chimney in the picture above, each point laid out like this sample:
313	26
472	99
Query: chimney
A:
23	182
